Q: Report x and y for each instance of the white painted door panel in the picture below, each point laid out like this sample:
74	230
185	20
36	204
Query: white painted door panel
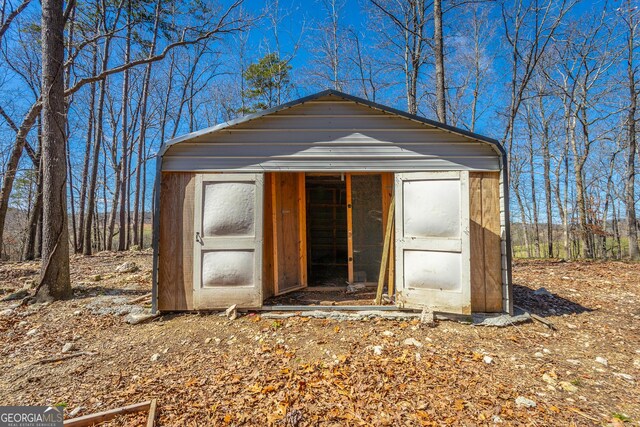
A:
228	241
432	241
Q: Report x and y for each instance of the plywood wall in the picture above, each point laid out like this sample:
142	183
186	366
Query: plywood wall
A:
484	216
175	245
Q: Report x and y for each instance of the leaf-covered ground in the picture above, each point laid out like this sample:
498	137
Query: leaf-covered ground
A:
299	371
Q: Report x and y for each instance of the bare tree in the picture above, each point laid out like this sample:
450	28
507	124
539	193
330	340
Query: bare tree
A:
138	217
529	29
330	48
629	16
438	50
124	153
54	276
405	34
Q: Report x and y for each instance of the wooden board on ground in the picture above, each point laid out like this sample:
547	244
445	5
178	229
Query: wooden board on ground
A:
101	417
385	251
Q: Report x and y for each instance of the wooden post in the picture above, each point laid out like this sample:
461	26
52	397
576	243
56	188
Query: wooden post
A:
349	229
385	251
302	228
387	194
275	184
392	261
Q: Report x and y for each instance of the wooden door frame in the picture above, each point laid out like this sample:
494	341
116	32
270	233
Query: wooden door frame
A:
386	181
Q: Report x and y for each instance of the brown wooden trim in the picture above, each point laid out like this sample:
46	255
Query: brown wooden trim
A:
349	229
387	195
267	245
276	232
302	228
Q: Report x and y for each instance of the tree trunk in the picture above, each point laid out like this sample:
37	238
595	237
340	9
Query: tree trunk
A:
35	217
91	194
93	177
632	230
114	209
581	199
69	100
87	153
55	281
138	235
142	202
12	164
124	156
609	199
438	50
71	197
616	231
534	202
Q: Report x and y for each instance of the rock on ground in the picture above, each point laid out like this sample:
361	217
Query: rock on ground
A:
127	267
68	347
412	341
22	293
542	292
137	318
523	402
116	305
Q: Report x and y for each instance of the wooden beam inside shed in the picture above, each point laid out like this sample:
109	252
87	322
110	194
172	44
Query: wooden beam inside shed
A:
349	230
302	228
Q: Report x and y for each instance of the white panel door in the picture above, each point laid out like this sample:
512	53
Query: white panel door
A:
432	241
227	257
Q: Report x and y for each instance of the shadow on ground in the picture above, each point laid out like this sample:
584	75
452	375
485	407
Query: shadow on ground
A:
544	303
80	292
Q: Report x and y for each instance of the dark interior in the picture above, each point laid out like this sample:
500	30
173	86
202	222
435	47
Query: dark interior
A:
327	250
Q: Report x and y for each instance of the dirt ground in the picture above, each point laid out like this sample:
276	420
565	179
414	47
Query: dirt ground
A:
207	370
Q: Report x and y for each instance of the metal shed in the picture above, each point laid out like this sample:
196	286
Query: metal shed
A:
300	194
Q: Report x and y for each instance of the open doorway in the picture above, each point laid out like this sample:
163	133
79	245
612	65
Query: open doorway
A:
327	245
345	217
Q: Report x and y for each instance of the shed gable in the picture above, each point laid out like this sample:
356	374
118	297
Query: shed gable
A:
329	133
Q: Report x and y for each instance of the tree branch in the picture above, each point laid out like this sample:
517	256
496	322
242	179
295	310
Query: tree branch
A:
12	16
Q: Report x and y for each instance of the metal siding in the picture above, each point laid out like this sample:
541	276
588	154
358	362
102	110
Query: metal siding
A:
327	135
222	164
341	150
